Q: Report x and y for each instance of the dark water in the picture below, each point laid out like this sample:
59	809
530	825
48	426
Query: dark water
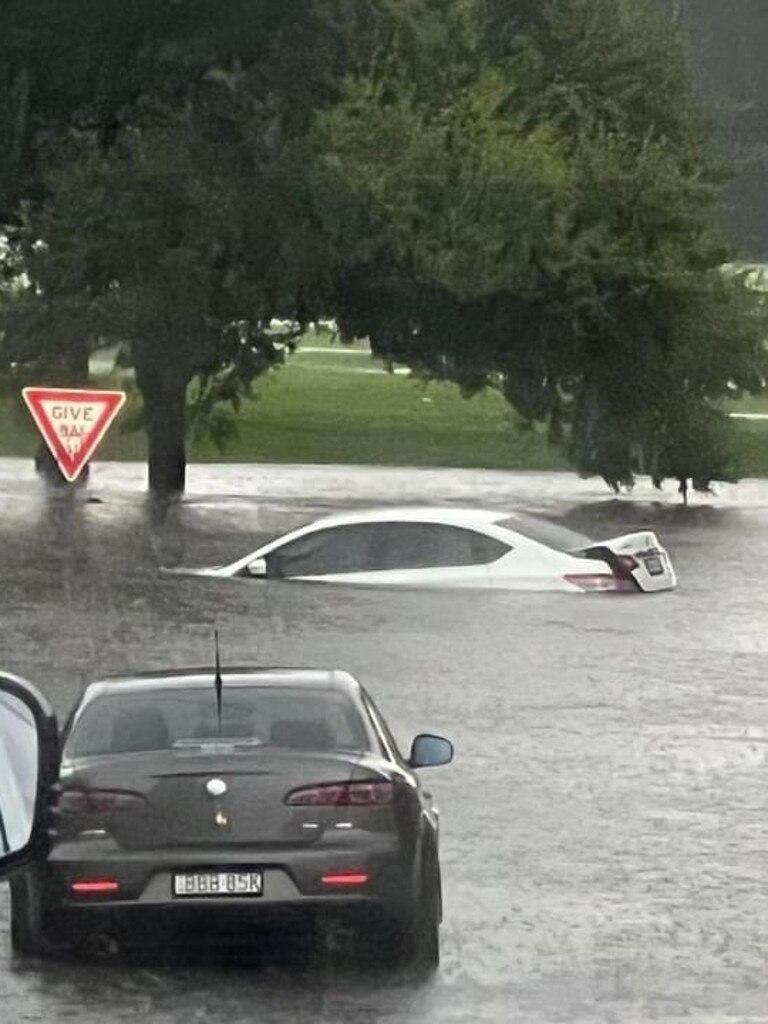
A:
604	825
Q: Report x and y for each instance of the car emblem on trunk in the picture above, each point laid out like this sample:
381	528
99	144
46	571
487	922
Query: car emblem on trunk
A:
216	787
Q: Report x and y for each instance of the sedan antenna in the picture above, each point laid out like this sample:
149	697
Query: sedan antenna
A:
218	682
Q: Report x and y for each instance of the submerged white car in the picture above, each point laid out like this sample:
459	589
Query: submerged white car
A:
456	547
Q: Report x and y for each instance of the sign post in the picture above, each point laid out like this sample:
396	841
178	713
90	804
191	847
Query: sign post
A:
72	421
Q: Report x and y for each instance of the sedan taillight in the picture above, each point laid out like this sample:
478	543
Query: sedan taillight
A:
599	582
343	794
98	801
345	879
95	886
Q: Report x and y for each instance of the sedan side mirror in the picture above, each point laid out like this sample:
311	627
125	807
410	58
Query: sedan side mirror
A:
28	765
429	751
258	567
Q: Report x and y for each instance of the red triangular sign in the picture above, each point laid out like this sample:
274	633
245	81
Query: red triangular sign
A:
72	421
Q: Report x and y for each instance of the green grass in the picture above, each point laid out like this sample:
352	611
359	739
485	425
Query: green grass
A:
753	434
320	408
750	403
327	406
754	447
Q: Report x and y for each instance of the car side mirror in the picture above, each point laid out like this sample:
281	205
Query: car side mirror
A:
258	567
28	766
430	751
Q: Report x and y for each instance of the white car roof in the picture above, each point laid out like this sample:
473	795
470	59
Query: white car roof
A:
420	514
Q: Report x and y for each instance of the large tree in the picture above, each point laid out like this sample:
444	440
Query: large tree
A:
165	194
549	225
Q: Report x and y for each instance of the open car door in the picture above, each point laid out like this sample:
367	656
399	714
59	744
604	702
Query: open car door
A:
28	768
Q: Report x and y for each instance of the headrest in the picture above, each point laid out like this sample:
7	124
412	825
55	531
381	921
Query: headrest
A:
302	734
137	729
209	728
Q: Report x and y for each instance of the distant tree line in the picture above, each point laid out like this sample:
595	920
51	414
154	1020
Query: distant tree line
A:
508	194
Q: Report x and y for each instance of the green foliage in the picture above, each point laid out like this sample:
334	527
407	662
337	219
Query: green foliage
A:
460	187
133	249
615	63
551	227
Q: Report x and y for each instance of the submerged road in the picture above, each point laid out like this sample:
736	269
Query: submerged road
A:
605	824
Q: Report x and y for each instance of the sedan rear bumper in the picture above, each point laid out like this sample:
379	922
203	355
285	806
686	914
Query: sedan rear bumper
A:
292	880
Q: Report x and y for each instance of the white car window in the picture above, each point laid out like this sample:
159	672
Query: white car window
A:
545	532
435	545
377	547
333	550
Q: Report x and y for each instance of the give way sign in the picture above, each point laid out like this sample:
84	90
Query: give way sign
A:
72	422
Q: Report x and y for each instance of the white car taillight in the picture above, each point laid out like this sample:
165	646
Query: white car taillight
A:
599	582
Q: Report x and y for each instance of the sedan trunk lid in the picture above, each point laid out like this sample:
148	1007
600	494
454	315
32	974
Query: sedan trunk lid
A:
637	557
206	795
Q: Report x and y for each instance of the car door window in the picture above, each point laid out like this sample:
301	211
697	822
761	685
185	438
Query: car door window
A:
434	545
338	549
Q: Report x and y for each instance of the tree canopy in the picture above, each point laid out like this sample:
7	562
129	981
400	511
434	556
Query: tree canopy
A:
551	226
502	193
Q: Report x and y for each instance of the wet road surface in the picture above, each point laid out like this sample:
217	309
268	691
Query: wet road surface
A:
605	840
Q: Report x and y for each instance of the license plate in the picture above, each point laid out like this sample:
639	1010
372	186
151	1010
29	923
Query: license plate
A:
654	565
217	883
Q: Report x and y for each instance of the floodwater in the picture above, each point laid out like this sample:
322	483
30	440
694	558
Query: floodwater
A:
605	823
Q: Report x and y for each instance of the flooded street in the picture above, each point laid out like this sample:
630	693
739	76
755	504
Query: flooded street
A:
605	823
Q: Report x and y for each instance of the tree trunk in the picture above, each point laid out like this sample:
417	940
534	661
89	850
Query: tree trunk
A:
164	393
20	97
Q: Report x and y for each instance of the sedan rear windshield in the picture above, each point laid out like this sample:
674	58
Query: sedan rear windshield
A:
545	532
178	718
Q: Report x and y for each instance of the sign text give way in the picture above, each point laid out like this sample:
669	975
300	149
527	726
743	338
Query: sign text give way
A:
72	422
